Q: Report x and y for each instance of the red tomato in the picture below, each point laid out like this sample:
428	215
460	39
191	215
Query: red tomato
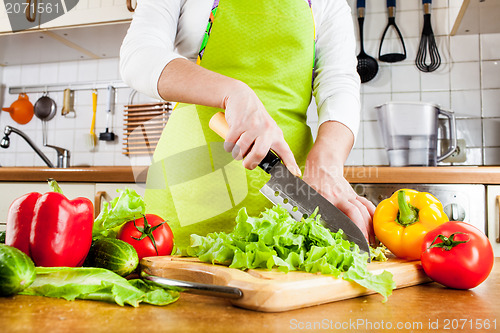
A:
457	255
140	235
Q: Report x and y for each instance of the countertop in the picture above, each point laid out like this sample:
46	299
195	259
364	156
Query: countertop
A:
425	308
367	174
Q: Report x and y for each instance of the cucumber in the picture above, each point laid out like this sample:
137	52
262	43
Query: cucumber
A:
2	237
113	254
17	270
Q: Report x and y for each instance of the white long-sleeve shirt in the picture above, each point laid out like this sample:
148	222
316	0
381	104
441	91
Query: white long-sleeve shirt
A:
163	30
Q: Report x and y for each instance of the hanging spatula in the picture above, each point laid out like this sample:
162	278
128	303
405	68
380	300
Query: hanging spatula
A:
392	57
297	197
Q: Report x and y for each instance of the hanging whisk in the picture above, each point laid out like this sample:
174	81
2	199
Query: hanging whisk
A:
428	59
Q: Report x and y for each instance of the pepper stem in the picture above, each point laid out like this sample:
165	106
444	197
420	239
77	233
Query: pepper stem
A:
54	186
407	213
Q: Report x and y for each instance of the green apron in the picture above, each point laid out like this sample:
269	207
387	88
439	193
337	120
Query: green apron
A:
193	183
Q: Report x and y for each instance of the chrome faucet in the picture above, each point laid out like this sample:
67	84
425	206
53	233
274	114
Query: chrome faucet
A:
63	155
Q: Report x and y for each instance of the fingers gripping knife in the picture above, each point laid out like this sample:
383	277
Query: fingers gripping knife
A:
298	198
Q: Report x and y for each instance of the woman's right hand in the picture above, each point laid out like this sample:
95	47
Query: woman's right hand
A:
252	131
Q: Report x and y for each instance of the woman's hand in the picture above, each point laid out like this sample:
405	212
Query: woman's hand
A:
252	131
324	172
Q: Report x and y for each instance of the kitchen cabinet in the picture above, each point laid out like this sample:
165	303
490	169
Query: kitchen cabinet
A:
475	16
15	8
493	208
88	12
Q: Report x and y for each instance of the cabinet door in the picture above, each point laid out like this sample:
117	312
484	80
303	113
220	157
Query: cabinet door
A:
16	8
13	190
493	204
108	191
91	12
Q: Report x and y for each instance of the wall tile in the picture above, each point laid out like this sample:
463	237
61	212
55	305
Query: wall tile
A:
7	159
87	70
372	135
490	46
464	48
442	98
438	80
30	74
491	102
381	83
406	96
466	103
375	157
490	74
465	76
49	73
492	132
407	77
470	130
370	101
68	72
491	156
359	143
474	157
355	157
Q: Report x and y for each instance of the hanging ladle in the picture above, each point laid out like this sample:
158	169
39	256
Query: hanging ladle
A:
367	66
392	57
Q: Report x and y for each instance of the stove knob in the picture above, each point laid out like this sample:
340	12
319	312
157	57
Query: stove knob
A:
455	212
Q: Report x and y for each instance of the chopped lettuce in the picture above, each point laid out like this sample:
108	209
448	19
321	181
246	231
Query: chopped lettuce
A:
96	284
276	240
127	206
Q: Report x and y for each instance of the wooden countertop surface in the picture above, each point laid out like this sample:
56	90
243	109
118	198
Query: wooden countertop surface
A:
424	308
127	174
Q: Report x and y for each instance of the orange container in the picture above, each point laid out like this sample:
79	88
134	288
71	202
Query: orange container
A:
21	110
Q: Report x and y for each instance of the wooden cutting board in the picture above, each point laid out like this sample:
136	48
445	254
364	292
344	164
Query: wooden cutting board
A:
275	291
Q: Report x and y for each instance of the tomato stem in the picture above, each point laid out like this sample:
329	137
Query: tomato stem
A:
407	213
147	231
447	243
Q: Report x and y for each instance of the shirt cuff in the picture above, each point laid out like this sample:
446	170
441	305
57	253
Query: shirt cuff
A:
343	108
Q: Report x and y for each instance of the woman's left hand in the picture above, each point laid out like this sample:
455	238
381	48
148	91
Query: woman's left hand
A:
333	186
324	171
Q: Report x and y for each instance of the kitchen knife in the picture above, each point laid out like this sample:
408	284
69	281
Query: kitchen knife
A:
297	197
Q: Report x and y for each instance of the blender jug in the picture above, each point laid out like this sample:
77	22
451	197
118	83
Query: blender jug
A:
410	132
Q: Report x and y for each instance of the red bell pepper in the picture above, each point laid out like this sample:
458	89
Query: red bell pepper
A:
51	229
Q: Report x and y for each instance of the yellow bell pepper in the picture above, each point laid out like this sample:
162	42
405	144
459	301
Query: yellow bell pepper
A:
401	221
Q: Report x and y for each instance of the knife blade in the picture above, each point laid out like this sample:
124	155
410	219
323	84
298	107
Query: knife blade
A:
296	196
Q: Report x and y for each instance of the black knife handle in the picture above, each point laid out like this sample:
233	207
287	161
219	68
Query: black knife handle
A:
269	161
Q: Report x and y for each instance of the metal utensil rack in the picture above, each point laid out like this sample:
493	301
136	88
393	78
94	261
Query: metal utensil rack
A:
42	88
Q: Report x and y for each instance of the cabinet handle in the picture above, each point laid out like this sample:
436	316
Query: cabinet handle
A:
28	10
498	204
130	7
98	201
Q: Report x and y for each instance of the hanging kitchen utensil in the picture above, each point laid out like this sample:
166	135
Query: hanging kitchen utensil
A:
92	137
107	135
68	110
392	57
21	110
45	110
427	49
367	66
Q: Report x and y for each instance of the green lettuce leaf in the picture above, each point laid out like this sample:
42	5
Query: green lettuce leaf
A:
127	206
275	239
97	284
